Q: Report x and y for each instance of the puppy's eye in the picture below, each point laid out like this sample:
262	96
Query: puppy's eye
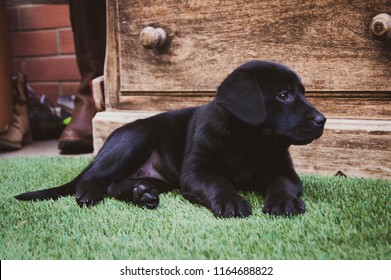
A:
284	96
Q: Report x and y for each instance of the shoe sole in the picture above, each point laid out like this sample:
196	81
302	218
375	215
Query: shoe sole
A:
75	146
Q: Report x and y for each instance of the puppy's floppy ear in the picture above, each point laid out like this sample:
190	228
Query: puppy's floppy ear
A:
242	96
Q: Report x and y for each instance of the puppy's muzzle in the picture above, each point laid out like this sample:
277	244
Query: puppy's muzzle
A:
310	129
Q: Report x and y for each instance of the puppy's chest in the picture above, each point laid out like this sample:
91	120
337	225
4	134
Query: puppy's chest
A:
245	162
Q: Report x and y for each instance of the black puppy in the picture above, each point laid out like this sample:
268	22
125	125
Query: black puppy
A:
238	141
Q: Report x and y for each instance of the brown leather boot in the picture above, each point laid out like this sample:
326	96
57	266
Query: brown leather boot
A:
19	132
77	136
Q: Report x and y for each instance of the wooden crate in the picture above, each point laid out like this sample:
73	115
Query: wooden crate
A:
345	69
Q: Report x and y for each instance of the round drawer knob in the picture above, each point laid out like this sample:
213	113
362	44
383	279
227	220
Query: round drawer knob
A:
153	37
381	26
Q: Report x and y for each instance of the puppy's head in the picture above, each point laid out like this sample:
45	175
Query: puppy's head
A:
271	96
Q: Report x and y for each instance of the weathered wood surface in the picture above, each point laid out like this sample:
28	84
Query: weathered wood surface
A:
355	147
111	69
328	42
105	123
335	105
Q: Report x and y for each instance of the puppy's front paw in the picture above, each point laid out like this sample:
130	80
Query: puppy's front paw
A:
284	205
230	206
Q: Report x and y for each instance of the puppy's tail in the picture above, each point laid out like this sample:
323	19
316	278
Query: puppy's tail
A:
52	193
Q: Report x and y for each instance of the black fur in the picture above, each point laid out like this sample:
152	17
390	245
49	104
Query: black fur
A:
238	141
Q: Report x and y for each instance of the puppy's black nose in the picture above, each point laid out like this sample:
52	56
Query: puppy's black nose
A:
320	120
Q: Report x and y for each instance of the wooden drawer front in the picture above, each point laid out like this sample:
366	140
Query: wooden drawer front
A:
346	71
328	42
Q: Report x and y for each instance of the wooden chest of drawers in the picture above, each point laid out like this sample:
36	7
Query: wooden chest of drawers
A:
341	52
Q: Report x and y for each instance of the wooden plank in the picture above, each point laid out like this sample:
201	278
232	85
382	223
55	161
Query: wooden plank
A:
333	161
161	103
105	123
353	105
111	69
358	148
333	105
328	42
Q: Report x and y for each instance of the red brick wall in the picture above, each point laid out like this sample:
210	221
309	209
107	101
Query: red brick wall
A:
42	47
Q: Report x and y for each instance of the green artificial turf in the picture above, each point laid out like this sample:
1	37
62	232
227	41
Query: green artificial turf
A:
345	219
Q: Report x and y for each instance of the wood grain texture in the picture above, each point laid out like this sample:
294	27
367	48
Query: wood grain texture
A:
111	69
105	123
333	105
328	42
355	147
